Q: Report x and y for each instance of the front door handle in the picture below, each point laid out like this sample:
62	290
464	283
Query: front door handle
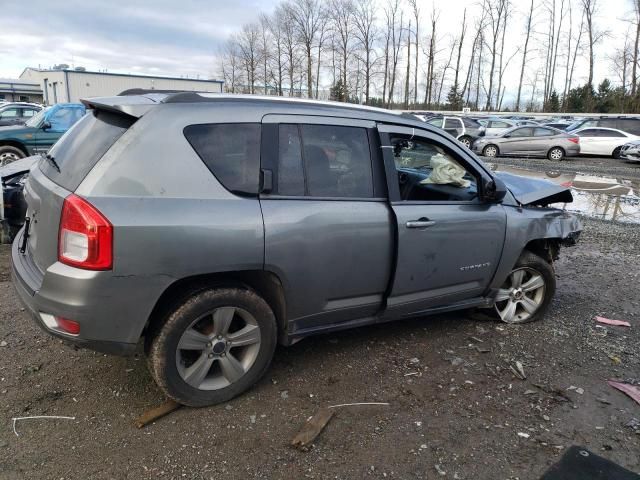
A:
420	223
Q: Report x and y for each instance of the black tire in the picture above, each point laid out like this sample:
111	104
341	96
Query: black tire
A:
556	154
10	154
162	355
466	141
529	260
489	149
616	152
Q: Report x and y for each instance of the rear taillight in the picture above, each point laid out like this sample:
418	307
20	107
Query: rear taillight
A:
68	326
86	236
574	139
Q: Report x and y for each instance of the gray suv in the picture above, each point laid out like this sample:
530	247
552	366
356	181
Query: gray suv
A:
214	227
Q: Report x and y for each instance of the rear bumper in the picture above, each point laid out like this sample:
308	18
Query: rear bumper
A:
68	293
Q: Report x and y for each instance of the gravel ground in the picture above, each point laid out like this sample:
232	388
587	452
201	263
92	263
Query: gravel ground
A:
455	409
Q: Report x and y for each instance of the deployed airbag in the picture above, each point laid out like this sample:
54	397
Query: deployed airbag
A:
446	172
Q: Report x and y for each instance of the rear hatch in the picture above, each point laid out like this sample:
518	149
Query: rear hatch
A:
60	172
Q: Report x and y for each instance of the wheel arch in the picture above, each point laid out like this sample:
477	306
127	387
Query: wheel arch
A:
264	283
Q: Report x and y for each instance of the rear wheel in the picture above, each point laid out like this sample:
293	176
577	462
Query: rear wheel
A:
556	153
490	151
214	346
10	154
466	141
527	292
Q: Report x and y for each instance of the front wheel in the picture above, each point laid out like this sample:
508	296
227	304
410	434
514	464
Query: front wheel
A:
616	152
490	151
527	291
213	347
556	153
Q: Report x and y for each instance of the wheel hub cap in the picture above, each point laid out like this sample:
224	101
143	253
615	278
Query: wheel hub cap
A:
219	347
521	296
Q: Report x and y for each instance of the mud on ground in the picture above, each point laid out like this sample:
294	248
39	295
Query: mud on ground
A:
456	410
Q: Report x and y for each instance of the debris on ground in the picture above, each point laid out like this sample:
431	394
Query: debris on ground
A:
38	417
312	428
523	435
631	390
578	390
617	323
155	413
518	370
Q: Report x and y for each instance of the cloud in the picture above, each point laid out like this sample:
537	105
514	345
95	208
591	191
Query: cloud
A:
160	37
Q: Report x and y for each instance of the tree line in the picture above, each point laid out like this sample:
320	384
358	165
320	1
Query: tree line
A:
399	54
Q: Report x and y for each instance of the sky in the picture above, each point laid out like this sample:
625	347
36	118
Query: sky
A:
182	37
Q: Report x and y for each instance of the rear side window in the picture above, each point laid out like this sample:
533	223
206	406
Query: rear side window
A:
543	132
78	150
452	123
324	161
629	125
231	151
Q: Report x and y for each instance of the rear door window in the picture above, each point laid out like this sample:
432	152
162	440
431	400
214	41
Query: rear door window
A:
78	150
543	132
324	161
436	122
522	132
231	151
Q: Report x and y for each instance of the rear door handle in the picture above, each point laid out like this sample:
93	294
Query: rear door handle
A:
420	223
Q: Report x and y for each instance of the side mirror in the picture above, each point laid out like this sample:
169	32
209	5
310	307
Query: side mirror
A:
494	190
506	136
45	125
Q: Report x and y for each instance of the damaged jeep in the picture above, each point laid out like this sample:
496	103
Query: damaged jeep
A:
210	228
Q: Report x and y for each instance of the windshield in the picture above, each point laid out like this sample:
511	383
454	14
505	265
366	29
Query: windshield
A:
37	118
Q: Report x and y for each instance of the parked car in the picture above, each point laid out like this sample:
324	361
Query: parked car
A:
626	124
17	113
495	126
602	141
557	125
529	141
631	151
282	219
466	130
39	133
13	205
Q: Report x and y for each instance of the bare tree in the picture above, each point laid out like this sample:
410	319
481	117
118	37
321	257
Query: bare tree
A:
408	74
366	33
634	65
249	45
393	16
496	16
342	13
431	56
416	16
460	43
524	55
283	16
231	65
307	17
571	58
589	8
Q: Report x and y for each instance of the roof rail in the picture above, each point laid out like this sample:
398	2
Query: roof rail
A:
145	91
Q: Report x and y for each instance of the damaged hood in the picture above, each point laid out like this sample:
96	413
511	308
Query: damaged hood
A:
535	191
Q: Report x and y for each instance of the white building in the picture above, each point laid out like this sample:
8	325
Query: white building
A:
61	86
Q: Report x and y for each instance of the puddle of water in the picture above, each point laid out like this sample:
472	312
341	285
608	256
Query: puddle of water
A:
606	198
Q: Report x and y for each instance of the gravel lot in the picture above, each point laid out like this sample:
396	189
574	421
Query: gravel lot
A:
456	410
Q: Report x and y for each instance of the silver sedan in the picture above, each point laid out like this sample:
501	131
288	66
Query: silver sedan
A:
528	142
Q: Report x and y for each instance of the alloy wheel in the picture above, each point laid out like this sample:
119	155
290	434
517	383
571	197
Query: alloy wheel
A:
521	295
218	348
556	154
490	151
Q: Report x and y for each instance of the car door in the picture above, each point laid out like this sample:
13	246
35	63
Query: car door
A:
542	141
453	126
517	141
10	116
589	140
449	240
328	227
60	119
611	140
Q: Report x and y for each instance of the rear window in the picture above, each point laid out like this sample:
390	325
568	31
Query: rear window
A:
78	150
231	151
